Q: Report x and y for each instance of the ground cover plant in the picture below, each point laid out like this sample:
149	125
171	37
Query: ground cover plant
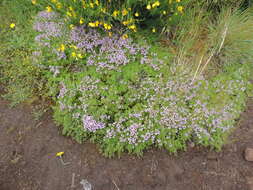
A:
116	84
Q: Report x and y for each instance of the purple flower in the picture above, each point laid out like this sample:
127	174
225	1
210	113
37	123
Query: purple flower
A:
90	124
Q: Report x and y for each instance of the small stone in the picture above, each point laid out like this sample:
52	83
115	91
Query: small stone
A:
248	154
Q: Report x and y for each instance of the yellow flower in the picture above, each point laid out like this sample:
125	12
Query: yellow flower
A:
73	46
59	5
133	27
97	2
125	36
148	7
96	23
71	8
91	24
126	22
107	26
124	12
115	13
79	55
178	1
91	5
81	21
53	1
71	26
59	154
12	25
103	10
69	14
49	9
164	12
61	48
180	8
136	14
153	30
73	54
33	2
156	4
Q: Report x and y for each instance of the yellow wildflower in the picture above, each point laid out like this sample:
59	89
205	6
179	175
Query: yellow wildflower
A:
107	26
91	5
71	26
178	1
136	14
103	10
79	55
97	2
126	22
124	12
73	46
148	7
33	2
59	154
69	14
81	21
180	8
153	30
96	23
71	8
156	4
59	5
91	24
61	48
133	27
115	13
125	36
164	12
49	9
73	54
12	25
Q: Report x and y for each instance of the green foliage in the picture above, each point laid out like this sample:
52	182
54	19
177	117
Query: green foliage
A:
164	100
128	14
21	78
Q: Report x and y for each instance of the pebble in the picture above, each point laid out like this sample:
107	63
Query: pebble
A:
248	154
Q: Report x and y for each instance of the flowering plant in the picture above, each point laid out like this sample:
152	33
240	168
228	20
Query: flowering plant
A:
123	96
109	14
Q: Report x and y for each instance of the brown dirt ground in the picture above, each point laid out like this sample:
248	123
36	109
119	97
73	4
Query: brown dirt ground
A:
28	161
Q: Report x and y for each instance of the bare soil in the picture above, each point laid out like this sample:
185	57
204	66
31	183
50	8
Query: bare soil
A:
28	161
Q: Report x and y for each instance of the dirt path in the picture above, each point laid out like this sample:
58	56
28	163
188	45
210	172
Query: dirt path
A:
28	162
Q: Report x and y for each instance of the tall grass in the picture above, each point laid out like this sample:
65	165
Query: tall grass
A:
209	44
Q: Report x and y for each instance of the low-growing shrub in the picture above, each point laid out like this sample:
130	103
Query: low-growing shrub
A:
119	94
